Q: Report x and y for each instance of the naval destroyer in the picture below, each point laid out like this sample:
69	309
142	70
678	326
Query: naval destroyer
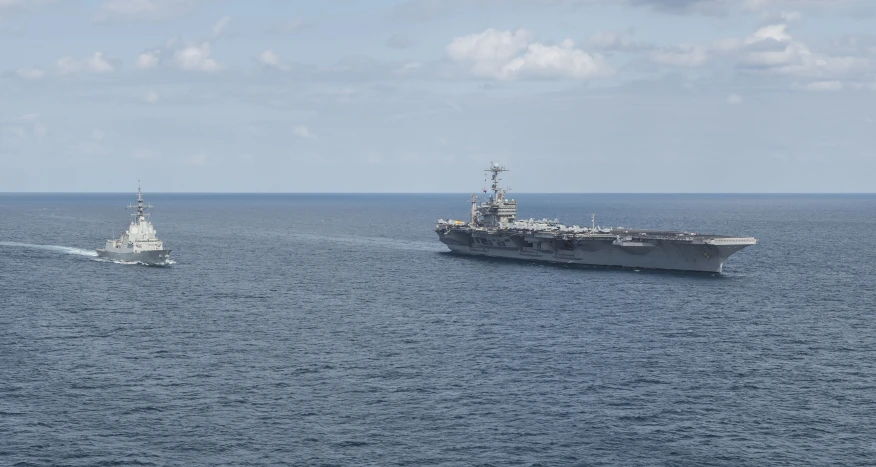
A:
494	230
139	243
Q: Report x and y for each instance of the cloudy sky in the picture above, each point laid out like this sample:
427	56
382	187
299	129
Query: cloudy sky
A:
420	95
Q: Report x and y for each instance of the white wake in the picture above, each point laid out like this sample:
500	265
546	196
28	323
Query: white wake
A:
59	248
129	263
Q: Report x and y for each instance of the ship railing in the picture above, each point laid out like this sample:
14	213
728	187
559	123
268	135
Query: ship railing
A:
731	241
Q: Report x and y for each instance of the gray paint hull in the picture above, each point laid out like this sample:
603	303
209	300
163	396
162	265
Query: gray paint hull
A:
669	255
151	257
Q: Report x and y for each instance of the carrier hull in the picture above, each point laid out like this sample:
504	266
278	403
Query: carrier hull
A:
151	257
699	256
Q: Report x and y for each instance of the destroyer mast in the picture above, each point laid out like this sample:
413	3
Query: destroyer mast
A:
140	215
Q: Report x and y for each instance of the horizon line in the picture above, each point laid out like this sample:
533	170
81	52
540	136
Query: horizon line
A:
441	193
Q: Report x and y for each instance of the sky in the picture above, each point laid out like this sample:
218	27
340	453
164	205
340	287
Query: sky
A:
422	95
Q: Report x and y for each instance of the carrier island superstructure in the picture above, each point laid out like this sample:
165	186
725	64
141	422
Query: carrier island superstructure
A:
139	243
493	230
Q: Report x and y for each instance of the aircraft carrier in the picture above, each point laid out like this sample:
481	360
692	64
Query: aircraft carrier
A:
138	244
493	230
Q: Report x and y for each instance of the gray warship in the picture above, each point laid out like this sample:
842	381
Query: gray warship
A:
493	230
139	243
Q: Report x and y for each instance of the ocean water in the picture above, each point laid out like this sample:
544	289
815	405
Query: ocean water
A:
336	330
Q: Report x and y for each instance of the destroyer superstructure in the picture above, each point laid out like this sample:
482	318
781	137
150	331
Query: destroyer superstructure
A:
493	230
139	243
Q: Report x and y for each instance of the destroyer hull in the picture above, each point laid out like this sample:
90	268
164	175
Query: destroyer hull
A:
150	257
660	254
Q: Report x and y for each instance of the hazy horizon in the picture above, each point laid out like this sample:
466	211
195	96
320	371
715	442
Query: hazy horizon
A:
510	195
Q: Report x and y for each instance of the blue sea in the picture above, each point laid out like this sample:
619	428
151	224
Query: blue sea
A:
300	329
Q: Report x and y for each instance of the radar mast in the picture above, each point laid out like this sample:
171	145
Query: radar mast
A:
496	169
140	215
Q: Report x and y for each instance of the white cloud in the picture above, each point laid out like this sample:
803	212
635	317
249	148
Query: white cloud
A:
772	50
409	66
220	26
196	58
776	32
96	63
303	132
776	59
192	56
497	54
562	60
489	46
32	117
783	17
769	51
685	56
97	135
25	126
734	99
68	65
30	73
150	97
830	86
269	58
147	60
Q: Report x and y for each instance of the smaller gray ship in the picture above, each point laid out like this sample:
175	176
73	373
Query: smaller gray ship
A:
139	243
